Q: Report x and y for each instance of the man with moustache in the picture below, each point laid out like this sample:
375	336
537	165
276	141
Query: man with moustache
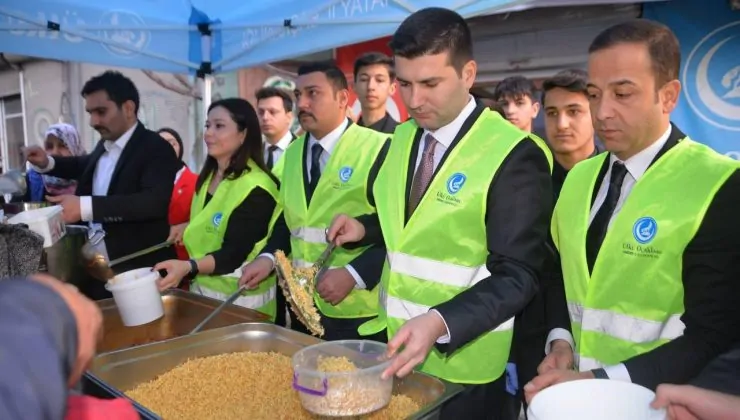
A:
375	82
570	132
275	112
124	185
463	207
331	169
648	235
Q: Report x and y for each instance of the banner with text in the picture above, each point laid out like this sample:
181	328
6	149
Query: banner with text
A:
709	32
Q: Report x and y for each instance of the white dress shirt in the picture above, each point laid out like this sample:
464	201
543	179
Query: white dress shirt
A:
636	167
101	176
444	136
282	144
328	143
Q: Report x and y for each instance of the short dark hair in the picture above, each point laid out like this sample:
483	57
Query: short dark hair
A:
118	87
273	92
174	135
661	42
434	30
572	80
373	58
515	87
334	74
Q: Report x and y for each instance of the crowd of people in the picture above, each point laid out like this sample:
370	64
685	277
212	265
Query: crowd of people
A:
481	253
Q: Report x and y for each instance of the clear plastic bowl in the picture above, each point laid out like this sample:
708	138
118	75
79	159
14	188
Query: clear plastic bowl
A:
339	394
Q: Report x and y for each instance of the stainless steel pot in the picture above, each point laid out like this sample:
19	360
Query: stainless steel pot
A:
62	260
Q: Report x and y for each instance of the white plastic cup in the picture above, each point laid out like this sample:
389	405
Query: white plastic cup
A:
601	399
137	296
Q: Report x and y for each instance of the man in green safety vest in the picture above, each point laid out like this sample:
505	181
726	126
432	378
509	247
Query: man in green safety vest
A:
464	202
330	169
648	233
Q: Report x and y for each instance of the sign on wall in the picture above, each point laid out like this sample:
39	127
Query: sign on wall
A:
709	33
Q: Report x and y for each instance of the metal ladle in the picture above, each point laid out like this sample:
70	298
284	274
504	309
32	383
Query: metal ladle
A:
96	263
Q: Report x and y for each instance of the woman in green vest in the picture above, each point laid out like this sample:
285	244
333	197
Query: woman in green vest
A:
232	212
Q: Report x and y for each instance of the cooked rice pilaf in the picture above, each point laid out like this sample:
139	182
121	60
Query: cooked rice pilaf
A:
245	385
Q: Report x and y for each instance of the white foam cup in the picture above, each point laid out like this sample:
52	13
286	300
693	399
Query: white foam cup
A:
601	399
137	296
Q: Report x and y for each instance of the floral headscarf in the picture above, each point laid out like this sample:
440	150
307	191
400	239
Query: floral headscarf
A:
68	135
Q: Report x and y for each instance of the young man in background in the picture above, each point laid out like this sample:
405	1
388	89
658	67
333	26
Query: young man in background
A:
375	83
517	98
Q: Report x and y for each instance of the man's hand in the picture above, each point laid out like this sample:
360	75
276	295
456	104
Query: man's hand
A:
176	232
560	357
345	229
686	402
416	336
70	204
176	271
553	377
256	271
89	321
36	156
335	285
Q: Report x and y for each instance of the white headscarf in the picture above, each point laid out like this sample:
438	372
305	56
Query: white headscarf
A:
68	135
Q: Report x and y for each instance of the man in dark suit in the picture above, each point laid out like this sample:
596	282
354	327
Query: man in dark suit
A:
125	184
464	200
648	235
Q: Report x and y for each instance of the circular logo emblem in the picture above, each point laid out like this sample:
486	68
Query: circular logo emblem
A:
217	219
131	40
345	173
711	77
645	229
455	183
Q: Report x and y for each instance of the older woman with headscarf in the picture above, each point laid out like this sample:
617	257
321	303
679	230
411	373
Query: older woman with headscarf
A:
60	140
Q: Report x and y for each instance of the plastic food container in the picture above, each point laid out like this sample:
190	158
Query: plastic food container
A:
137	296
46	221
348	393
601	399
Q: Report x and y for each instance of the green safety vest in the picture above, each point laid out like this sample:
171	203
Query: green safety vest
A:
633	300
205	234
442	250
342	188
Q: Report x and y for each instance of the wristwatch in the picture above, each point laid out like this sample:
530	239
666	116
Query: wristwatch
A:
193	269
600	374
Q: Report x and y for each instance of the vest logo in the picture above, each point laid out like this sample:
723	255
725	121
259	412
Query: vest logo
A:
455	183
711	78
217	219
644	229
345	174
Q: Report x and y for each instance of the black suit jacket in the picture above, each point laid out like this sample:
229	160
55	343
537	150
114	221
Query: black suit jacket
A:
518	212
134	212
711	280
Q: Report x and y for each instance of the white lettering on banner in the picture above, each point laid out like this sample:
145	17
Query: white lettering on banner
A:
346	9
626	327
436	271
403	309
68	18
135	40
310	234
247	301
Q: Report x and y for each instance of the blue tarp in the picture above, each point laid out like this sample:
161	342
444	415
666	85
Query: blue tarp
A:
178	36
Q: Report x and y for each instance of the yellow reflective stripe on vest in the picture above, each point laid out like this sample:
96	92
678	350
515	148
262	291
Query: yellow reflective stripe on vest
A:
626	327
310	234
404	309
436	271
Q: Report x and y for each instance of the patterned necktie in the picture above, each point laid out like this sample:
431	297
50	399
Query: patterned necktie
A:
423	173
271	156
599	225
315	172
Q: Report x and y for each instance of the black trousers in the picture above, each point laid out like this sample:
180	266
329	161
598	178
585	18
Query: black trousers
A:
482	402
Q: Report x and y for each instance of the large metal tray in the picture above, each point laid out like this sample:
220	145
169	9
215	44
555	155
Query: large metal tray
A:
182	312
125	369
